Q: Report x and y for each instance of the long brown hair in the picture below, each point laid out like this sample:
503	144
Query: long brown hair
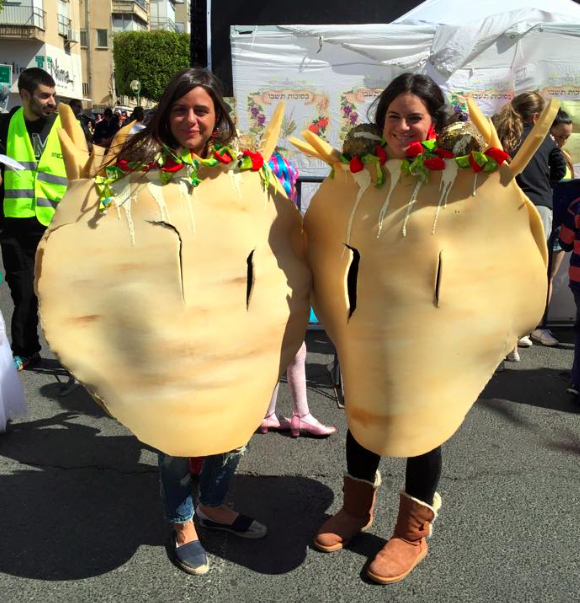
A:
143	146
512	118
420	85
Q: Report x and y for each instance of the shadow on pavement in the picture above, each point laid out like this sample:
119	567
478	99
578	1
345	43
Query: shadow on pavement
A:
80	505
544	388
292	507
79	400
49	366
562	440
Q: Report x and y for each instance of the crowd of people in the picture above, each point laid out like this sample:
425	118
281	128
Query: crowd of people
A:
100	128
192	115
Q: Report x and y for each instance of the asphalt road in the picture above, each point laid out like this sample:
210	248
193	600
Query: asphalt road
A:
81	520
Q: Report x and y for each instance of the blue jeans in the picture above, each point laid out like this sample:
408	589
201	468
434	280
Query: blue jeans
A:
214	483
575	377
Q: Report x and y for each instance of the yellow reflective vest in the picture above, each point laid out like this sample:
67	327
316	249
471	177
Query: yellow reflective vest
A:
36	190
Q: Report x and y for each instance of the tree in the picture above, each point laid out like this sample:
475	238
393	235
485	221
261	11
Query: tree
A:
152	57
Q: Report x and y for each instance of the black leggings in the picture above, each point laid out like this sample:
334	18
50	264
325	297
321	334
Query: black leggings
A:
421	477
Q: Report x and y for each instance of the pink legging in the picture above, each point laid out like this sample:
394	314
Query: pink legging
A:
296	375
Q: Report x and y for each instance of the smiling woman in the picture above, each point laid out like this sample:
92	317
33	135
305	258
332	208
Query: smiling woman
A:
192	120
190	114
411	109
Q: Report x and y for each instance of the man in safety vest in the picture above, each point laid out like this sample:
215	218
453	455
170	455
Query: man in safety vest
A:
29	134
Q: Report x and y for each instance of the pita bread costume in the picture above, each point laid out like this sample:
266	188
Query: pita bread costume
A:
426	272
186	296
176	292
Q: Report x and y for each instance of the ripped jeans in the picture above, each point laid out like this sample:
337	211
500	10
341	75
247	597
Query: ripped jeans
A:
214	483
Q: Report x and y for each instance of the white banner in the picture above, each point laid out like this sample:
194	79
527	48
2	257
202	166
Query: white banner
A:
330	75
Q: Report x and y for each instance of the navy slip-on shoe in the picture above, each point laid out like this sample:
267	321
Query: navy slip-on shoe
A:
190	557
243	526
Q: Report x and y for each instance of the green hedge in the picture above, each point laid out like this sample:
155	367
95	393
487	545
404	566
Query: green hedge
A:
152	57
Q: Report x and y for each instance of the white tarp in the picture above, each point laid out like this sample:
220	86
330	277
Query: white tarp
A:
459	12
330	75
463	34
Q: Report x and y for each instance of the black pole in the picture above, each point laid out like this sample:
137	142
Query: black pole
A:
198	40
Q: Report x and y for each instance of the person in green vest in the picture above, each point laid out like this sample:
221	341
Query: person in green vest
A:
29	134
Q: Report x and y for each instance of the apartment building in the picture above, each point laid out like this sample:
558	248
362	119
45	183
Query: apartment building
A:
100	21
42	33
170	15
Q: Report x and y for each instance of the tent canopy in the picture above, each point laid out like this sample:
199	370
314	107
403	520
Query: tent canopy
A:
458	12
481	24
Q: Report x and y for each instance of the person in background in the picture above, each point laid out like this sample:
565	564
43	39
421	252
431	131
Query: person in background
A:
77	108
29	134
106	129
12	404
513	124
569	236
302	419
137	118
89	118
561	129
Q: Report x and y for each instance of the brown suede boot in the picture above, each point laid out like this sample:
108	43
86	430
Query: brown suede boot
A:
408	545
355	516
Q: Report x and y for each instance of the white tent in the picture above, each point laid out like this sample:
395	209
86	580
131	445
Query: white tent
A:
459	12
464	33
329	75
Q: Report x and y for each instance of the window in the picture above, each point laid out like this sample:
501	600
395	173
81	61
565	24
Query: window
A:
127	23
102	38
85	89
84	38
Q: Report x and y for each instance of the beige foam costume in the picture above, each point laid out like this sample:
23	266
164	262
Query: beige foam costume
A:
179	307
446	275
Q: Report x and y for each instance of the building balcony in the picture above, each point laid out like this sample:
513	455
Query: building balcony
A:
162	24
139	8
22	22
64	25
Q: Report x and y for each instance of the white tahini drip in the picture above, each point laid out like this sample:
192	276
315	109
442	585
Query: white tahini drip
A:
448	176
185	194
474	185
156	189
411	203
127	208
236	179
394	169
121	190
363	179
122	196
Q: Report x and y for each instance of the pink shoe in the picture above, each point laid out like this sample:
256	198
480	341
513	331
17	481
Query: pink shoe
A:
310	425
273	422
